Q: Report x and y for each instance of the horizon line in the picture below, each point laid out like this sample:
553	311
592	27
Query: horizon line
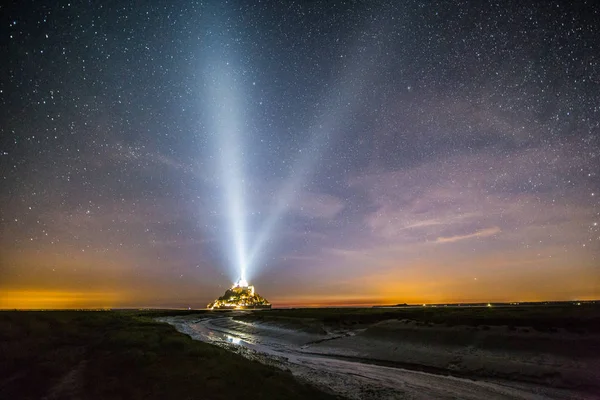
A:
456	304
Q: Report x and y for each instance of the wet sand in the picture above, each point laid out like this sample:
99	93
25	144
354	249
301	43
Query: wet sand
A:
401	359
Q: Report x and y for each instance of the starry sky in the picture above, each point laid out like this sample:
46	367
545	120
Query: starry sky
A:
355	152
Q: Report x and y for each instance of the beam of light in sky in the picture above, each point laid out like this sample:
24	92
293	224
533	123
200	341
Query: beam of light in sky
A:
224	100
337	109
224	97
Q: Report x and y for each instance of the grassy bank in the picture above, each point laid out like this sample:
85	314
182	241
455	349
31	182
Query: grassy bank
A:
573	318
126	355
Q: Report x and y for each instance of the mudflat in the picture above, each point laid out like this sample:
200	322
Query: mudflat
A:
552	346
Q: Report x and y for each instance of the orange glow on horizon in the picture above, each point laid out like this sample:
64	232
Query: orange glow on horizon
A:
46	299
356	303
428	280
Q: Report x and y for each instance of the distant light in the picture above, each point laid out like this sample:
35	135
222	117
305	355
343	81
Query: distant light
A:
241	283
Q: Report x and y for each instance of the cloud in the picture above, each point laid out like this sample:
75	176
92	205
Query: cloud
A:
515	191
482	233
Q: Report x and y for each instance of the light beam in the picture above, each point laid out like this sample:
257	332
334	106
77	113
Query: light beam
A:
224	98
338	107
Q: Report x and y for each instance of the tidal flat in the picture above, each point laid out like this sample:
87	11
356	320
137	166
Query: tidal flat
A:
528	352
518	352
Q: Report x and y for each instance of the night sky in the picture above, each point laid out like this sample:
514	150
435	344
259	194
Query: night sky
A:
353	152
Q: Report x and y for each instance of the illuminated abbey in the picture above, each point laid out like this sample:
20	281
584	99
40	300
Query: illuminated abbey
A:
240	296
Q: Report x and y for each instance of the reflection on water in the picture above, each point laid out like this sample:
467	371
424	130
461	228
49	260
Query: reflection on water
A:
290	350
233	340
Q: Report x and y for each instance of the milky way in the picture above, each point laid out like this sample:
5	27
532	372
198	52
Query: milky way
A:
387	152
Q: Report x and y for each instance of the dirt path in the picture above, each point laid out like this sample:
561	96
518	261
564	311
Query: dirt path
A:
70	386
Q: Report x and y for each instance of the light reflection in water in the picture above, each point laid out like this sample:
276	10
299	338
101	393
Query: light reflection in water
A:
233	340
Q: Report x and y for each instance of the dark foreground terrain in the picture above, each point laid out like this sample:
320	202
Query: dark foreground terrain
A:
508	352
523	352
126	355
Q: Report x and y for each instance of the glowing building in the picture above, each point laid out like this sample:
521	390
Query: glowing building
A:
240	296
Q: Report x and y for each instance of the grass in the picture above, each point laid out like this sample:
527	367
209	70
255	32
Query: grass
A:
126	355
579	319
